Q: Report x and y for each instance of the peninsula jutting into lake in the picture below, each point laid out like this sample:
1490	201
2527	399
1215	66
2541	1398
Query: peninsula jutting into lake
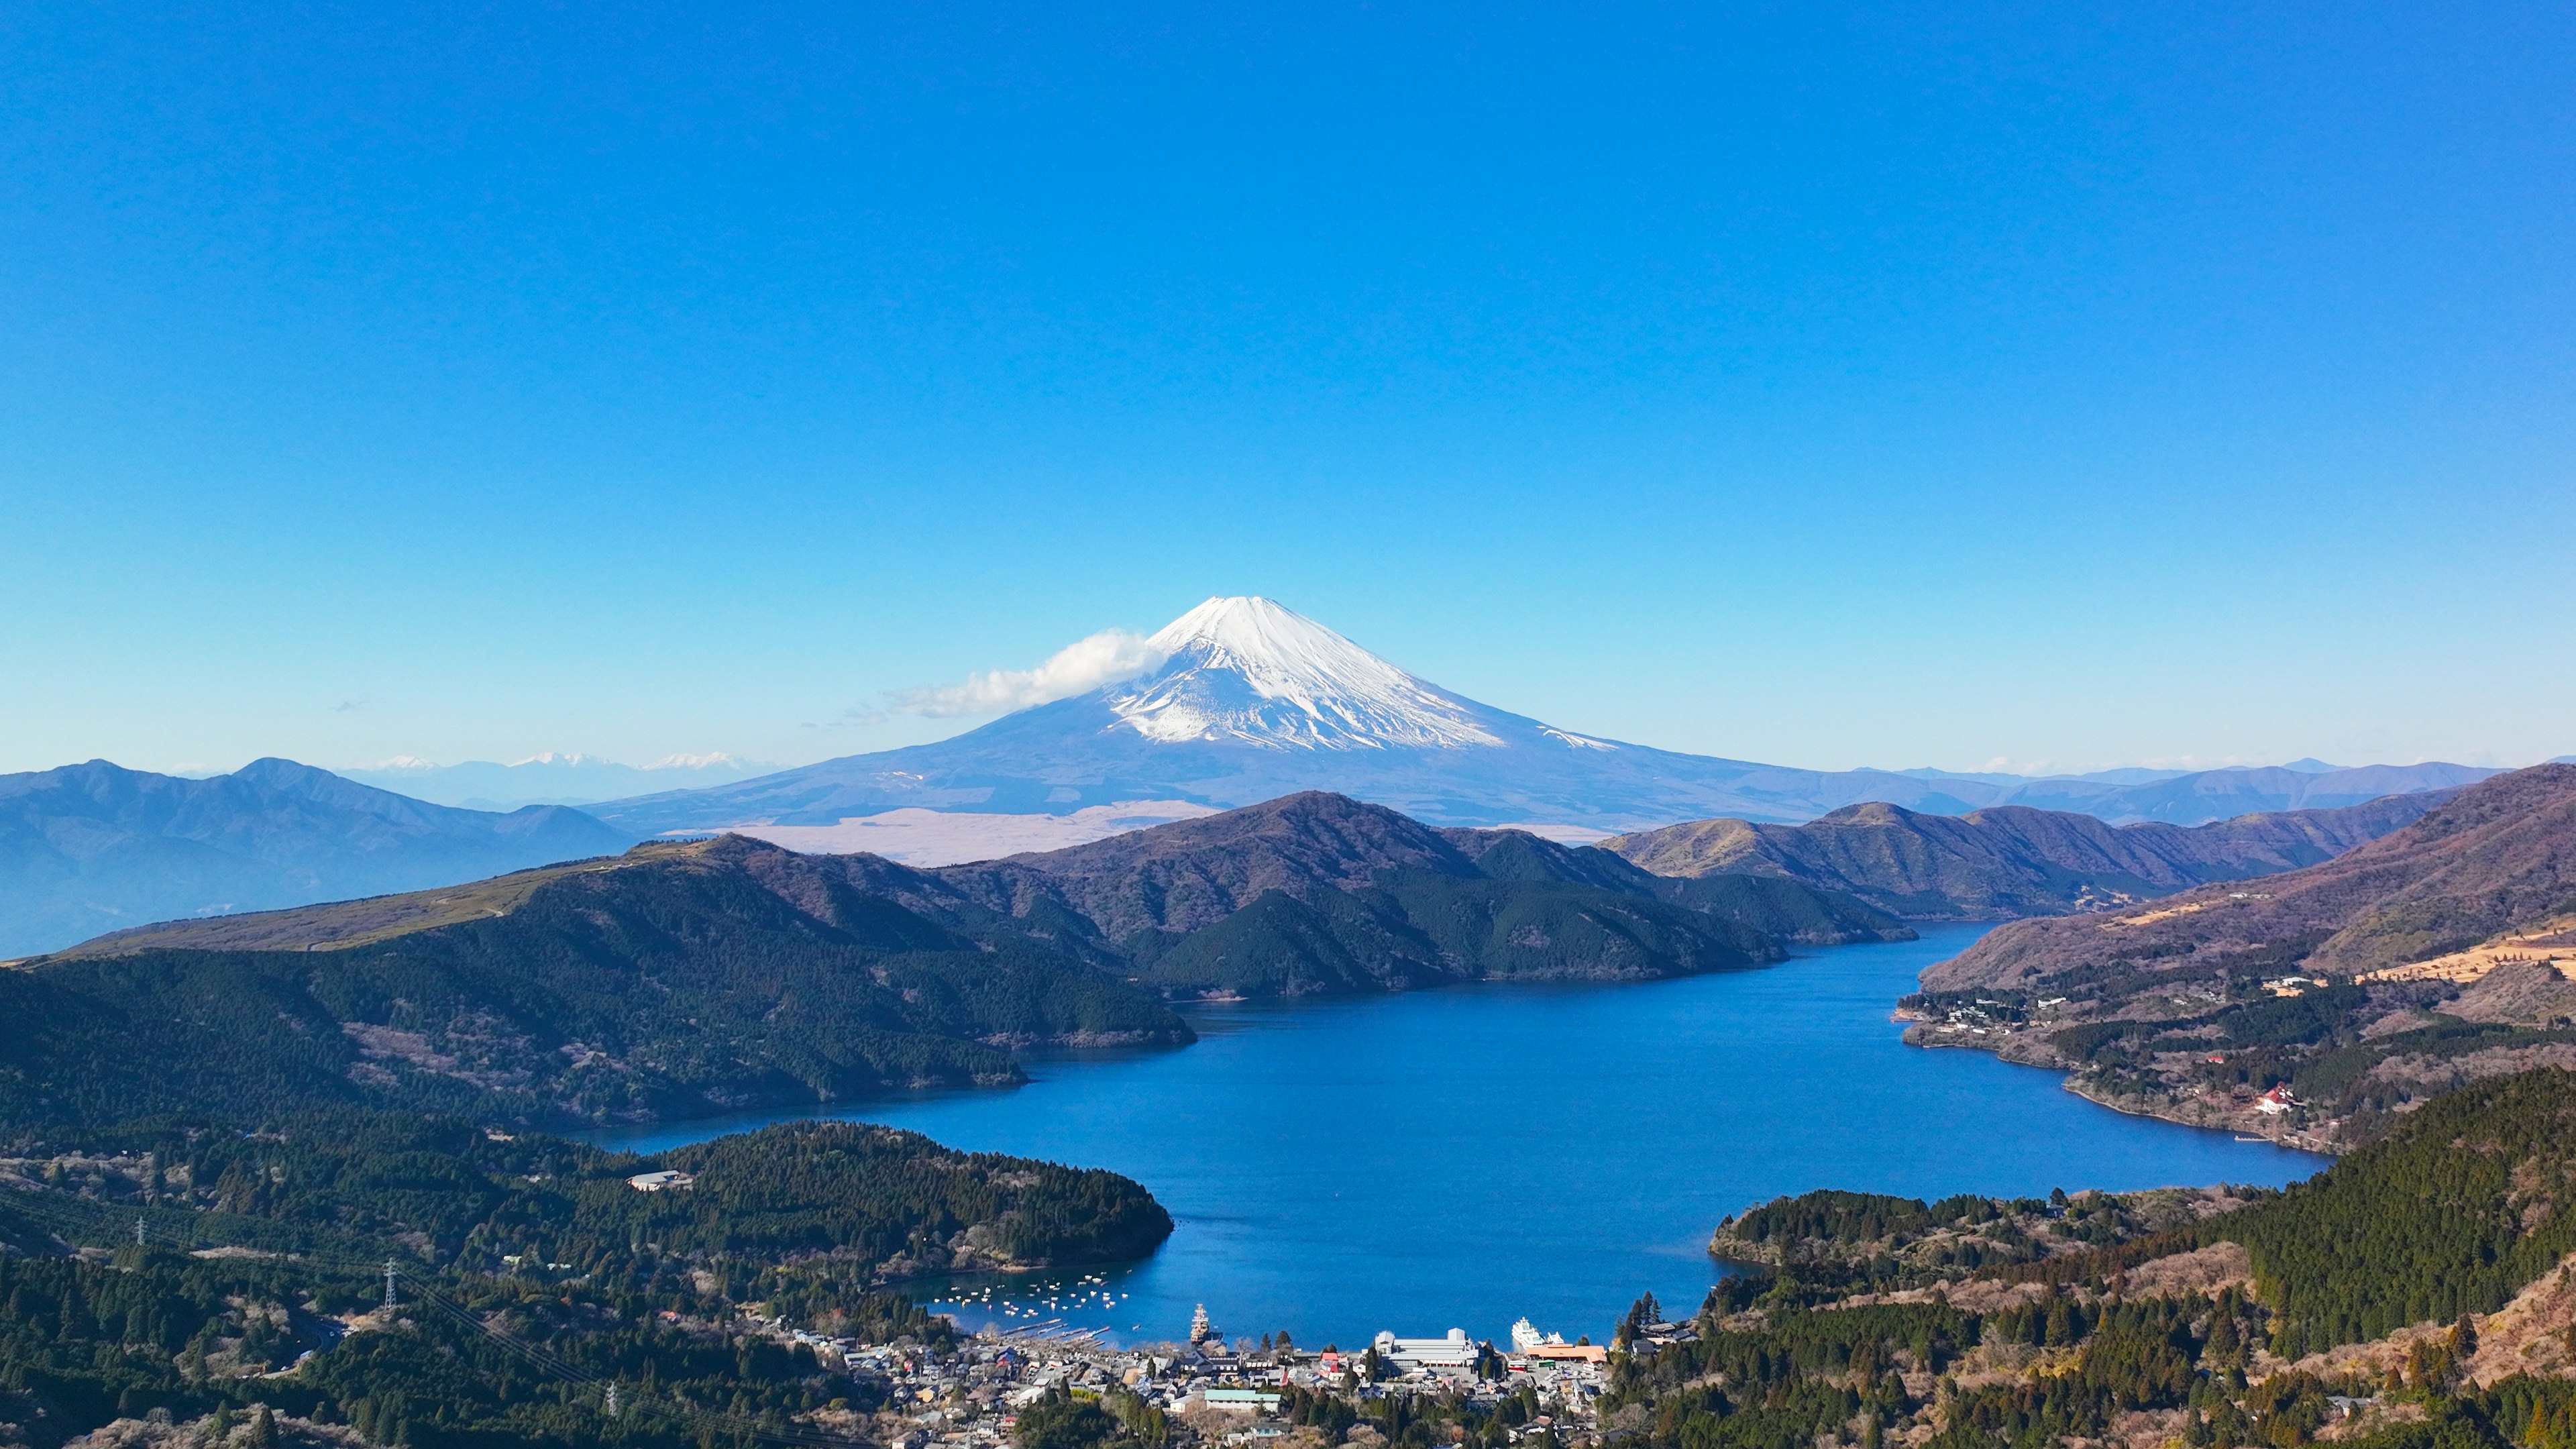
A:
1351	726
626	1136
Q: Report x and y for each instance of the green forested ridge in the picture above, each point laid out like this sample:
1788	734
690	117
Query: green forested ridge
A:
1421	928
1422	907
1784	909
1834	1215
2472	1198
2462	1205
674	987
1787	910
467	1198
536	1238
2002	863
1850	1242
683	980
810	1187
84	1342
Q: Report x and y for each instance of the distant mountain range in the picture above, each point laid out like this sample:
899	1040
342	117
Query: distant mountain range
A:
1251	701
549	779
2012	861
681	979
93	847
1244	702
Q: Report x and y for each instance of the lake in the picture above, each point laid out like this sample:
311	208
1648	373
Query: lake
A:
1466	1156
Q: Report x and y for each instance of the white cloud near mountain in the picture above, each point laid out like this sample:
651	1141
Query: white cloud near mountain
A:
1084	665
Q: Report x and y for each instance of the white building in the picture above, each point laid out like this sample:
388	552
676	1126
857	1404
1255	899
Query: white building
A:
1452	1351
660	1181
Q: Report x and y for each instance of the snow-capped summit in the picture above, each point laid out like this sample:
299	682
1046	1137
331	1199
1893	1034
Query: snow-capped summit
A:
1241	700
1248	670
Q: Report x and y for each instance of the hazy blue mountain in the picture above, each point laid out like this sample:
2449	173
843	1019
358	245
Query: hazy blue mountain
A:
550	779
2224	794
95	847
1251	702
2125	775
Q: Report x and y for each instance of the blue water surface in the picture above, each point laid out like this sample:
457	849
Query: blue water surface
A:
1462	1157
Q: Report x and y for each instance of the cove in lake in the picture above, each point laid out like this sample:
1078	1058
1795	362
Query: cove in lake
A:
1465	1156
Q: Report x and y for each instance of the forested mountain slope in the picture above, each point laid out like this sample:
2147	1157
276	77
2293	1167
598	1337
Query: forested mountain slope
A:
1319	893
256	1282
668	983
2012	861
2410	1297
682	979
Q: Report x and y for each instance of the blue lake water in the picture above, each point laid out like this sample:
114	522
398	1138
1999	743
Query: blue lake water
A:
1466	1156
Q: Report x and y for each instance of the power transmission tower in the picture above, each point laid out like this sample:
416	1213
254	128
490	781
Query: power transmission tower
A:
389	1284
138	1231
612	1401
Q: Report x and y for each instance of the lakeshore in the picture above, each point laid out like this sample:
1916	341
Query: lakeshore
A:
1443	1158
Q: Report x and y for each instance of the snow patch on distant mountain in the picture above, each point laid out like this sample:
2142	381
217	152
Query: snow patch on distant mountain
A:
550	778
1249	671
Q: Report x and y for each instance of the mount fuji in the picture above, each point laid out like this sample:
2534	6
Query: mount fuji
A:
1244	701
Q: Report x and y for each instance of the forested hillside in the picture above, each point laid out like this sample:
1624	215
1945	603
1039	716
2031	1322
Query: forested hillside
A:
2472	1198
2007	862
1175	879
673	985
2376	1306
508	1247
1310	894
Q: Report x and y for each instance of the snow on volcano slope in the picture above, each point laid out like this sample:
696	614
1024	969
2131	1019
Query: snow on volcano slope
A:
1247	701
1248	670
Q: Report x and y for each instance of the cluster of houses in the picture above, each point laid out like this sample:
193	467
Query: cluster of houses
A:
968	1397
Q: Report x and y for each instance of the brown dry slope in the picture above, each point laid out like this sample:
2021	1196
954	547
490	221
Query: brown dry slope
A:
2194	1007
2500	854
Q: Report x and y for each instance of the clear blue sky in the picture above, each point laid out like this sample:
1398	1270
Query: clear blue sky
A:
2057	385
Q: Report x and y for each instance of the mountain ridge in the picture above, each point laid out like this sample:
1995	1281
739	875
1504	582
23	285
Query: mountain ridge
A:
92	847
2442	952
1366	898
2005	862
2494	856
